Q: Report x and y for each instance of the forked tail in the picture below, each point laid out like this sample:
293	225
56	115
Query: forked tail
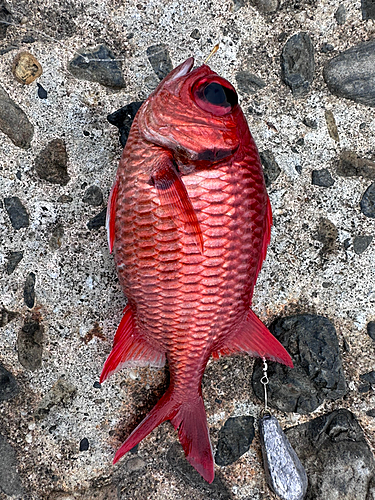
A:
189	417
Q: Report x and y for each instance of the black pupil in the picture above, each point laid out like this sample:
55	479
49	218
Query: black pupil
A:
219	95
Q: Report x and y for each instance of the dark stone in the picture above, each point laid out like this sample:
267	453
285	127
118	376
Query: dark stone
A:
195	34
6	316
10	482
351	165
93	196
331	125
51	163
298	169
368	378
57	235
17	212
14	259
311	341
99	65
14	122
347	243
160	61
309	122
235	438
322	178
29	291
271	169
42	93
300	141
367	202
360	243
336	456
84	444
371	329
371	413
30	345
123	119
97	385
326	47
217	490
368	9
98	220
327	234
351	74
297	63
5	17
265	6
340	14
61	392
248	83
8	385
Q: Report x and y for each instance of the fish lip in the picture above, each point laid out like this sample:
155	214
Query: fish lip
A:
185	68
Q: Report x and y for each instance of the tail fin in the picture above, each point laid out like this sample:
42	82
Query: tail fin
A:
189	417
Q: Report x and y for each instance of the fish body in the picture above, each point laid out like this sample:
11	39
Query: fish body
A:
189	221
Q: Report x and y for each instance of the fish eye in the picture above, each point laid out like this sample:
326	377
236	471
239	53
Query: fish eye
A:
216	96
219	95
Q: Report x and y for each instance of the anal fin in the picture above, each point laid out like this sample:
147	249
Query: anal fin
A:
254	338
130	349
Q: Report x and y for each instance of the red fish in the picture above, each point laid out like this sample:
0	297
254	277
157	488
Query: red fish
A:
189	221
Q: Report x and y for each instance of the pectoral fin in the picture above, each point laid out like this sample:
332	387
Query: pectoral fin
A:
174	196
111	213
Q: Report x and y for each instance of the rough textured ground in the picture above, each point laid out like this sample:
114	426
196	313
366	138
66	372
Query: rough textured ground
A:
64	291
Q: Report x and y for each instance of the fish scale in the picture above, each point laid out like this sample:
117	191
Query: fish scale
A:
189	234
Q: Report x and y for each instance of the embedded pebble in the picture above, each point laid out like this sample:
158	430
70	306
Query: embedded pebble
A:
367	202
98	65
84	445
14	259
29	291
98	220
135	464
57	235
61	392
160	61
17	213
6	316
65	198
42	93
331	125
340	14
265	6
371	329
317	375
14	122
326	47
51	163
235	438
327	234
271	169
123	119
297	63
249	83
8	384
30	345
93	196
10	481
368	9
5	17
195	34
351	165
361	243
322	178
26	68
351	74
338	461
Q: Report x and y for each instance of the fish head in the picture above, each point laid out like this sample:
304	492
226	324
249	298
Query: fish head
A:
194	114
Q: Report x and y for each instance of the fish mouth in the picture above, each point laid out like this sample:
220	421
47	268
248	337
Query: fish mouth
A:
182	70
